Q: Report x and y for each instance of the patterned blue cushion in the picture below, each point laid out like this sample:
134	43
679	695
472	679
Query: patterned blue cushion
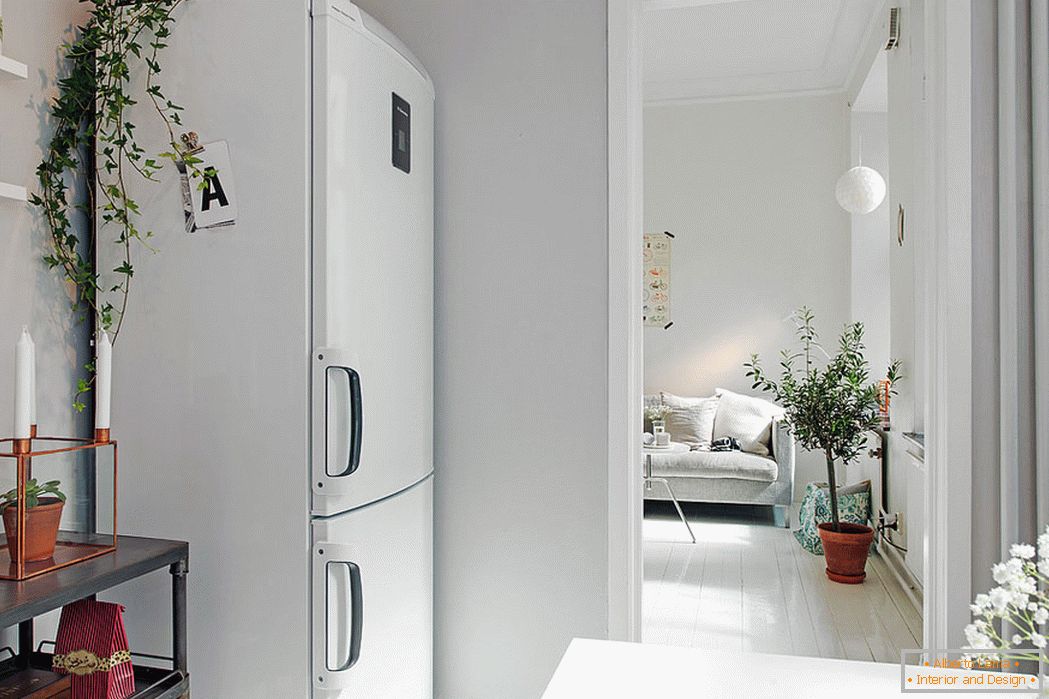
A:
854	505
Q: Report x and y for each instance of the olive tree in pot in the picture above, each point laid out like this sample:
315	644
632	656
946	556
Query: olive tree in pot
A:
831	406
44	503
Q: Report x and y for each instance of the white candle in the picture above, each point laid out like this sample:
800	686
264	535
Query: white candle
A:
103	379
23	385
32	381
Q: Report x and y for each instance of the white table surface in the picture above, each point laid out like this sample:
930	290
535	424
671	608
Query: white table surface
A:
614	670
674	448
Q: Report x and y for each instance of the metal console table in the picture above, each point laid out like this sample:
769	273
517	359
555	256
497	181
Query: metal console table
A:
21	602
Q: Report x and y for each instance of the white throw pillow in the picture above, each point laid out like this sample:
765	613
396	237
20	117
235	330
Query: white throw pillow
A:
691	420
746	418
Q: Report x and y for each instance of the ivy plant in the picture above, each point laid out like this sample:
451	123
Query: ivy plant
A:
831	404
94	140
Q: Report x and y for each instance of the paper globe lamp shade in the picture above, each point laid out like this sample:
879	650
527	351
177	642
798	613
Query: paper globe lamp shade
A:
860	190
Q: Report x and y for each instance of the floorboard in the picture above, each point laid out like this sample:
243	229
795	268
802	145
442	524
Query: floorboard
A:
747	584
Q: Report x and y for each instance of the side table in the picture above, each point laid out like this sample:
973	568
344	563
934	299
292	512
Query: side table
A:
649	452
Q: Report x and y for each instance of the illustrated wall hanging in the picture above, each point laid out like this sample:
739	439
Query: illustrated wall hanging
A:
656	294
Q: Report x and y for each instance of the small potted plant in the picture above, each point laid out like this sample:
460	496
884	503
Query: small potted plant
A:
831	406
657	415
44	503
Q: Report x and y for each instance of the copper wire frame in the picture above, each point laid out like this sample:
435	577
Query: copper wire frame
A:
23	451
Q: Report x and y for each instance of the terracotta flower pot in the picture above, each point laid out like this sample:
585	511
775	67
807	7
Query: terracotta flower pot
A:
846	551
41	529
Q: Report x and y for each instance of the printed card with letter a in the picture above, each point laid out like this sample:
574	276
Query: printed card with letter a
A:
213	205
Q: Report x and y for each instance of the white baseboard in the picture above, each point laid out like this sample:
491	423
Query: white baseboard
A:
912	587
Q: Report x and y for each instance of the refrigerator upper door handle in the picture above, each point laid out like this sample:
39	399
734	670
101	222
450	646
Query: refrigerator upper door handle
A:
337	417
354	421
327	674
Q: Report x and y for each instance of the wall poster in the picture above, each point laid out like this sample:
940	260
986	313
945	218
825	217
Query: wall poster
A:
656	295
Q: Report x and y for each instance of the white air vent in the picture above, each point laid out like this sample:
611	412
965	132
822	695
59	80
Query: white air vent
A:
894	29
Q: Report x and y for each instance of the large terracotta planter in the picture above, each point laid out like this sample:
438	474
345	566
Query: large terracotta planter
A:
846	551
41	529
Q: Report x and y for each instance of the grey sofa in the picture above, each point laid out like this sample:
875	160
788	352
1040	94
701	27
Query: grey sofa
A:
731	477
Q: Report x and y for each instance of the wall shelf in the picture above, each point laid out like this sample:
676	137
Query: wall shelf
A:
10	68
13	192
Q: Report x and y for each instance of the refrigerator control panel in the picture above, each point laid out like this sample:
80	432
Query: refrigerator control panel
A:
402	134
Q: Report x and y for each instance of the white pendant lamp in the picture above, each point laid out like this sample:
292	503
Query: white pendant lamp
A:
861	189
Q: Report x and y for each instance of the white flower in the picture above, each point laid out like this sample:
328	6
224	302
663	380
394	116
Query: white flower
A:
1041	615
1017	639
1009	572
1043	544
1021	551
1026	585
1043	566
1032	606
1000	599
983	601
1038	640
976	637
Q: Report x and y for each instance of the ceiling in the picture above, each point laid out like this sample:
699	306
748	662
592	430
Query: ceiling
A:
724	49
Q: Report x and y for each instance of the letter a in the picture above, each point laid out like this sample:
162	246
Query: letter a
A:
213	191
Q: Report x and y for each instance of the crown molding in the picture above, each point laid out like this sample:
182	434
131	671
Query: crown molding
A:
656	5
777	95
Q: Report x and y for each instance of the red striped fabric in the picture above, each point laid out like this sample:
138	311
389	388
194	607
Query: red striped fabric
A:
98	628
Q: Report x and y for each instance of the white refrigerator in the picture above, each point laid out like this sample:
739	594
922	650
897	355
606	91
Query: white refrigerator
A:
372	365
273	391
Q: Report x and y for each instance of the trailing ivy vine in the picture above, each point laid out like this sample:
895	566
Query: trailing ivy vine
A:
94	140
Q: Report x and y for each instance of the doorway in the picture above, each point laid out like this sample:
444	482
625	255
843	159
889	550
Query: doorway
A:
627	24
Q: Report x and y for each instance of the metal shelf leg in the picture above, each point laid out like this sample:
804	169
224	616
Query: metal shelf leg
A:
179	651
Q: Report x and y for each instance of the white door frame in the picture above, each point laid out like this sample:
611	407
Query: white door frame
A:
625	341
946	254
946	249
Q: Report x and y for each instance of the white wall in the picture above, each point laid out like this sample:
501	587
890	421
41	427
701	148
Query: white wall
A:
521	436
31	293
870	283
907	276
193	385
870	242
747	188
908	406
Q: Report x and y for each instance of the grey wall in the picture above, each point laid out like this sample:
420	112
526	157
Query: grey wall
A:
747	188
521	424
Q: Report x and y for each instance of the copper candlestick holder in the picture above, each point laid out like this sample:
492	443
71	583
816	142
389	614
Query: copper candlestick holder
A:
22	556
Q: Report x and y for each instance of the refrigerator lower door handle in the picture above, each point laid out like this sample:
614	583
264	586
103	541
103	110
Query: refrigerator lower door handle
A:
333	673
356	615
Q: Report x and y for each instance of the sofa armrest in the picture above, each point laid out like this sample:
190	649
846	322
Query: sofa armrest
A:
782	443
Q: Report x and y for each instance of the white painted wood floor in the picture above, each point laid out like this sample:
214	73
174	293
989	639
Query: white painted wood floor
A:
747	584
